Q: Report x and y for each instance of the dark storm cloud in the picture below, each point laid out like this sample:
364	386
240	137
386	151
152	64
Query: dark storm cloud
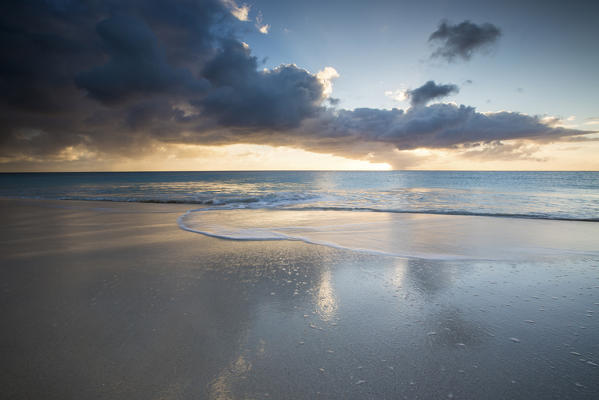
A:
243	96
430	91
438	126
114	69
97	79
462	40
137	65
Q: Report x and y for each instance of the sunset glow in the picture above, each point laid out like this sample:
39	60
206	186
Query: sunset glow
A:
272	85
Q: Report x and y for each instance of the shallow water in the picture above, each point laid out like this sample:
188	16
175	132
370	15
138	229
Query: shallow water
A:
548	195
404	235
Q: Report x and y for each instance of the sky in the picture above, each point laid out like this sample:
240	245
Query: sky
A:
261	85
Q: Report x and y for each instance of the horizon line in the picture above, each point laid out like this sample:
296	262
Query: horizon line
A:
297	170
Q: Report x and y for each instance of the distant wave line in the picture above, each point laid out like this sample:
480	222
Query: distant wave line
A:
229	204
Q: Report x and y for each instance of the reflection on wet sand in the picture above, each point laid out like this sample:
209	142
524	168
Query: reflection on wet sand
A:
325	297
156	312
324	330
430	278
450	328
344	333
221	388
399	273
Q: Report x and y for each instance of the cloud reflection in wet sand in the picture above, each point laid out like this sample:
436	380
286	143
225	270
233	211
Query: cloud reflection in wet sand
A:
204	317
382	326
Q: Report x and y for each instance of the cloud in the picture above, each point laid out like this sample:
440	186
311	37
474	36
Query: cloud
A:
326	77
436	126
428	92
240	12
124	79
498	150
137	65
398	95
463	40
242	96
592	121
262	28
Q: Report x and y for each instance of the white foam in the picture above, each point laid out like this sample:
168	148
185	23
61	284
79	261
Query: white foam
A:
402	235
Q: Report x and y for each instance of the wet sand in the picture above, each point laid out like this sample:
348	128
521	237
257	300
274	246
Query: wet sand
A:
115	301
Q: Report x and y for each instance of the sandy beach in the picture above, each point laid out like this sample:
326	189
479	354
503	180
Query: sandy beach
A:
105	300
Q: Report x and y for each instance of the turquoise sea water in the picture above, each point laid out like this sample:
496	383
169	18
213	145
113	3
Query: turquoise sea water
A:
546	195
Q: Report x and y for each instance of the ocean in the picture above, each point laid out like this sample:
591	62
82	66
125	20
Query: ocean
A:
353	285
544	195
444	215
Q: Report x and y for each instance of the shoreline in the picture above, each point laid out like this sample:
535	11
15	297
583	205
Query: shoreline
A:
209	205
119	302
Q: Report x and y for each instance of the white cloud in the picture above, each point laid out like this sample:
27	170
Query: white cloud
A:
240	12
326	77
550	120
262	28
397	95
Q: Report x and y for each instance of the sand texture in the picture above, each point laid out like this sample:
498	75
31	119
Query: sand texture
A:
115	301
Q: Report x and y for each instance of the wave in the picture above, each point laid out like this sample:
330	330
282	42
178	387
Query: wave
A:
292	201
268	234
259	201
448	212
397	235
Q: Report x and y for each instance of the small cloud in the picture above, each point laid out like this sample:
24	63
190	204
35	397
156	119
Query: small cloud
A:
463	40
262	28
592	121
563	122
286	30
430	91
240	12
519	90
468	82
549	120
326	77
397	95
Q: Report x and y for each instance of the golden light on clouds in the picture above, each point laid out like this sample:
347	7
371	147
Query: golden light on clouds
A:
326	76
236	157
241	12
511	155
507	155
